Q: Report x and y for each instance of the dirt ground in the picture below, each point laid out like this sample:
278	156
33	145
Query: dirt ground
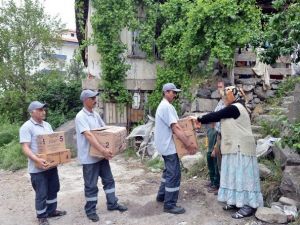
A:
135	186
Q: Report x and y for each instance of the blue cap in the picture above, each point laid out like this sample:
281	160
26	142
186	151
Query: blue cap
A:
170	87
36	105
88	94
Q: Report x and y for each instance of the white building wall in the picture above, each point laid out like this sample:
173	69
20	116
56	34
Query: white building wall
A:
141	70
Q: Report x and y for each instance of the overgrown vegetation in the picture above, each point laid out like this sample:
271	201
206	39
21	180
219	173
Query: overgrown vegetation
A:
109	18
270	185
28	37
281	33
11	156
189	35
281	126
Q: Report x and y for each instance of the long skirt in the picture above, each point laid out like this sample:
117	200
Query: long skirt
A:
240	183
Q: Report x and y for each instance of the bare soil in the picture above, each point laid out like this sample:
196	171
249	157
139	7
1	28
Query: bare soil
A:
135	186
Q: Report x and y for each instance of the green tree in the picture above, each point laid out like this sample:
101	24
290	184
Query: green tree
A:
190	33
75	70
28	37
281	34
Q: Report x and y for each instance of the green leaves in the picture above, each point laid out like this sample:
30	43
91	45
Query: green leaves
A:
282	32
109	18
27	34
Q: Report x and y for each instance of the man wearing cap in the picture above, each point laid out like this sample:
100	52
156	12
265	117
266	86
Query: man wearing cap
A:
93	167
44	180
165	125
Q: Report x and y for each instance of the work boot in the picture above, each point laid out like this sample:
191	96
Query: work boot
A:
43	221
93	217
119	207
57	213
175	210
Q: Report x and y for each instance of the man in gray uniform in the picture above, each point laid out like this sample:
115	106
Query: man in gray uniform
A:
44	180
165	125
93	167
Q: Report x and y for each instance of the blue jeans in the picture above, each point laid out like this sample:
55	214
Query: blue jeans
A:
170	181
46	185
91	172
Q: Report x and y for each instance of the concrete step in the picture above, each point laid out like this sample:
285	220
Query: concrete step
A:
264	117
270	109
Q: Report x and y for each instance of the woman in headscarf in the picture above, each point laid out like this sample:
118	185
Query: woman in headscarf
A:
240	184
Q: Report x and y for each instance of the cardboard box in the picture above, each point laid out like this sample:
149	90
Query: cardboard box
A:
112	138
54	142
56	158
188	125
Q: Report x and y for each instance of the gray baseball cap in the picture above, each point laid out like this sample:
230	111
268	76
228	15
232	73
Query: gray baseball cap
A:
36	105
88	94
170	87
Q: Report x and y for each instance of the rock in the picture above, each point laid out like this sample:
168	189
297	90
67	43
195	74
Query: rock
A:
274	86
256	100
70	135
204	105
286	156
189	161
248	87
262	94
203	93
297	92
290	183
215	94
288	99
270	215
277	205
290	202
254	223
258	109
249	95
264	171
248	81
267	118
293	111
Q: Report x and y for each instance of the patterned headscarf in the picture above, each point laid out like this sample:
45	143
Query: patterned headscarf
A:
237	93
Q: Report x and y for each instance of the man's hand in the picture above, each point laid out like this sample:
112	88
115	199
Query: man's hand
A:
107	154
213	154
42	164
192	148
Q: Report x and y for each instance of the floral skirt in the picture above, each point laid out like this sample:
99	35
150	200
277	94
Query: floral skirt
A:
240	184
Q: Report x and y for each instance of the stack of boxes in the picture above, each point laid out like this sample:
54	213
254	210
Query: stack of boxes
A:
112	138
52	148
189	127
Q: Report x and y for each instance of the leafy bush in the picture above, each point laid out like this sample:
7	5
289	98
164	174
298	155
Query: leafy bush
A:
270	185
62	97
11	155
292	137
5	138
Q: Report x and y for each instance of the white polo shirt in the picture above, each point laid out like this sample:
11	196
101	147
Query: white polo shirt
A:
165	116
28	134
86	121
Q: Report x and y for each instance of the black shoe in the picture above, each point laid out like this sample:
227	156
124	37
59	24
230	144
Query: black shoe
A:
43	221
119	207
93	217
175	210
159	199
57	213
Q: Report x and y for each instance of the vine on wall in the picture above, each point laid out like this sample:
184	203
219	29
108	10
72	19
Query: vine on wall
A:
108	20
